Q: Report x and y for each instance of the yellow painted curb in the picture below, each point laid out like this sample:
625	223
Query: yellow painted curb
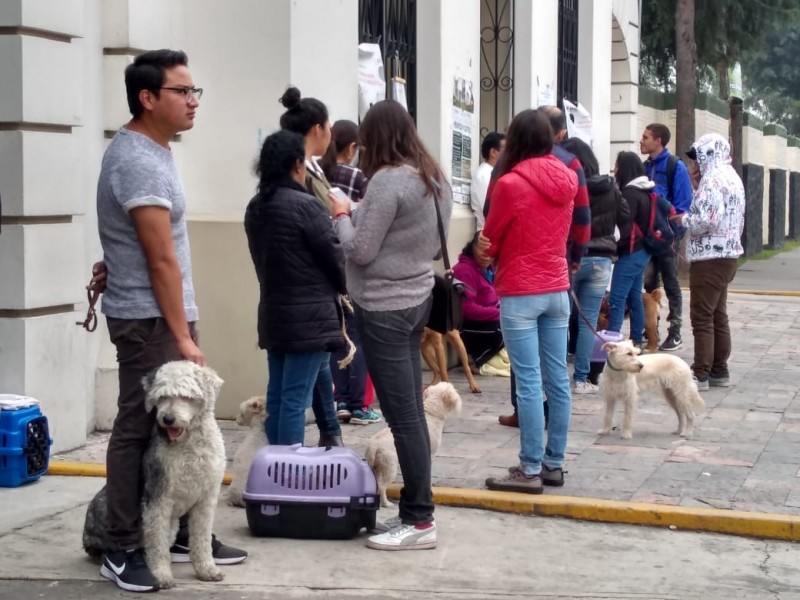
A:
79	469
751	524
717	520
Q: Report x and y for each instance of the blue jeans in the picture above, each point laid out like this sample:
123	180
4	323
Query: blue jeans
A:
292	382
626	286
589	285
535	332
391	342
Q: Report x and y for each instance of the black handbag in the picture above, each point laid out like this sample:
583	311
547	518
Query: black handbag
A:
446	310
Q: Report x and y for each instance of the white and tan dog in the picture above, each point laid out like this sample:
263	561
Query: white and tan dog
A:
252	414
182	470
626	373
439	400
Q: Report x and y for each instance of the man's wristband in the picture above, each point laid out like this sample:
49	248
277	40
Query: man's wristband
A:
338	216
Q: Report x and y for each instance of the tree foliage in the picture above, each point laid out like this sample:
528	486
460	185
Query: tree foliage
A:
772	78
726	31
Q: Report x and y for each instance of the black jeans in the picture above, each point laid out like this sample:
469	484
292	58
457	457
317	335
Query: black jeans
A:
666	266
391	342
350	383
142	346
482	339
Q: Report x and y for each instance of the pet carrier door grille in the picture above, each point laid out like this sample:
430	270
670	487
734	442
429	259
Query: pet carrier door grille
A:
37	445
307	478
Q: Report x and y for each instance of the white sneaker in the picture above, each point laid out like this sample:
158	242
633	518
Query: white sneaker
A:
584	387
489	370
503	354
405	537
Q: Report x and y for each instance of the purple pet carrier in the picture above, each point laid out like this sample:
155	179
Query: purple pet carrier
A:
299	492
598	354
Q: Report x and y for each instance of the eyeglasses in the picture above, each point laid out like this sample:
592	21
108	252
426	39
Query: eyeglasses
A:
188	93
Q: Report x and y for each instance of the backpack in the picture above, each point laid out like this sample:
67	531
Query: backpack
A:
672	166
660	235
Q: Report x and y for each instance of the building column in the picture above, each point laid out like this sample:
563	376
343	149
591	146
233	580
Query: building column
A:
42	352
594	74
535	52
448	48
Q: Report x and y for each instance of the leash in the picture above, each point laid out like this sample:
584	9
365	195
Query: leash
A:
90	322
584	317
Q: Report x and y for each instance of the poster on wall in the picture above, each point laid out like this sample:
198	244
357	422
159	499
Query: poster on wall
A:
399	91
371	77
545	95
461	165
579	121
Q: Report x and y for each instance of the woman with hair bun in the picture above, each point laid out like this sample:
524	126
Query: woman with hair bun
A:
300	267
309	118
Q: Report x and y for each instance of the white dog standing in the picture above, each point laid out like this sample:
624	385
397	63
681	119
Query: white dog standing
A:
252	414
182	470
439	400
626	373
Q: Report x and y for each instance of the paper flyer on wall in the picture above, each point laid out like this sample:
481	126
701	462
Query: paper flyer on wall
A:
579	121
461	165
371	78
399	91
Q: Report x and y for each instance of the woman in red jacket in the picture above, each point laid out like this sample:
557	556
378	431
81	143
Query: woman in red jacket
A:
527	226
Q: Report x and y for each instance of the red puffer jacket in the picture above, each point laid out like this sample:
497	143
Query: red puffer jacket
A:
528	224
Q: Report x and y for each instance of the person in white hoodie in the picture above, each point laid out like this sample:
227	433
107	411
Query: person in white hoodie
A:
628	276
714	223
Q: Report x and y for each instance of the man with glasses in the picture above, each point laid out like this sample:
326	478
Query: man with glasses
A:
149	299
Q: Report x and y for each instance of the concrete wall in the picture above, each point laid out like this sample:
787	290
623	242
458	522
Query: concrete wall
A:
766	146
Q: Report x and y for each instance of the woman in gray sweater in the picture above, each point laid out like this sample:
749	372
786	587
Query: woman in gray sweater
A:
390	242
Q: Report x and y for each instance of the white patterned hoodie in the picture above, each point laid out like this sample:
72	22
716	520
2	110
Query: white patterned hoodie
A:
716	219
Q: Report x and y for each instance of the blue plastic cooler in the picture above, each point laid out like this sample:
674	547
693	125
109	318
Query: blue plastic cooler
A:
24	446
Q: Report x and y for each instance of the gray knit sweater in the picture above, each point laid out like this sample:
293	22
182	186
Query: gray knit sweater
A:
391	240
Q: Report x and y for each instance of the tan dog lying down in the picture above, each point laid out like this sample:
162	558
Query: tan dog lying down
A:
439	400
626	373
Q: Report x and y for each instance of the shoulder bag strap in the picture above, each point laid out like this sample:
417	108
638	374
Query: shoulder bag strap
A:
445	258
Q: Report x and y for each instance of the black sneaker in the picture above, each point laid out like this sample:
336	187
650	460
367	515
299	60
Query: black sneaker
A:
672	343
223	555
128	569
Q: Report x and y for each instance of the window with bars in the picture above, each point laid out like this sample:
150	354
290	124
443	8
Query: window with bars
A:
392	24
567	50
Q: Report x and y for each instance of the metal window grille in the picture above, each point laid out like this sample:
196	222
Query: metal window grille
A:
497	64
567	50
392	24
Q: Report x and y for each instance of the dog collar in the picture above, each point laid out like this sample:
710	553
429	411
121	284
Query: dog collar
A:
611	366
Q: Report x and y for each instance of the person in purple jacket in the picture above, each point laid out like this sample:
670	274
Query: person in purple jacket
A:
481	307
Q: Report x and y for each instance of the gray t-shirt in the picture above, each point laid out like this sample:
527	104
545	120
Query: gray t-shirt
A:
136	172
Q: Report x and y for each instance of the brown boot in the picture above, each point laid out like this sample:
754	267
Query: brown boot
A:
508	420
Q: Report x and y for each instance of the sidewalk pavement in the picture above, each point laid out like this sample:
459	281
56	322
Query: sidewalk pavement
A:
745	452
780	272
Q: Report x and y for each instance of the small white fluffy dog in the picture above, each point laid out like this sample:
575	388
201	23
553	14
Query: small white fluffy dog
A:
182	470
626	373
252	414
439	400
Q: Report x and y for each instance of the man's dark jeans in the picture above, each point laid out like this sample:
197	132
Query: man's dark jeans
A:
708	308
142	346
665	267
391	342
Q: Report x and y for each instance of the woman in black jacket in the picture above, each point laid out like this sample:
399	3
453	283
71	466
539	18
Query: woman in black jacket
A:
300	267
589	283
627	280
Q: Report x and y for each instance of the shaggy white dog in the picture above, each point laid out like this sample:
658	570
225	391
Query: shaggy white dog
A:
439	401
252	414
182	470
626	373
